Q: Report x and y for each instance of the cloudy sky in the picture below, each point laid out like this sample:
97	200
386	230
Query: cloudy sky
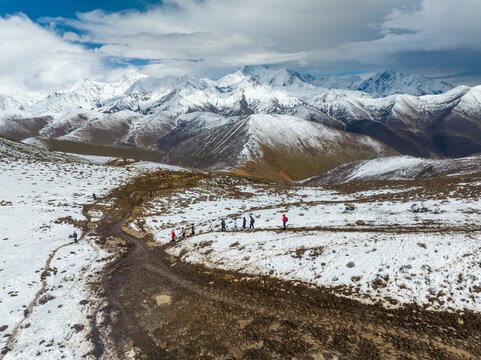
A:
46	43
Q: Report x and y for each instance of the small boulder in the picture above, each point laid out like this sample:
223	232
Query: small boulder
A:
163	300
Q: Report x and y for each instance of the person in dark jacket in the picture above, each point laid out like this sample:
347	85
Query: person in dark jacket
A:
244	223
193	230
150	194
94	196
75	237
251	226
183	233
284	220
222	223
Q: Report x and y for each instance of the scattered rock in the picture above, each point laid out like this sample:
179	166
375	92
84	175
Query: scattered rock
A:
78	327
84	302
94	286
360	223
163	300
42	300
3	328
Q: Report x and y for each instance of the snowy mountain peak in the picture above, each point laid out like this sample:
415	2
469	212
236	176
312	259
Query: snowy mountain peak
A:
390	82
276	77
152	85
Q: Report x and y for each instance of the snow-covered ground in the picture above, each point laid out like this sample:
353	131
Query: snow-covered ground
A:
44	187
380	252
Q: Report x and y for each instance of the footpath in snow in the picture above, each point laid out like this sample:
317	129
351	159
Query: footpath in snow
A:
45	192
381	252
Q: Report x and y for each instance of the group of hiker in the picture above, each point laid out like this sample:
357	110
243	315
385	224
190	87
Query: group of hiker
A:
74	236
349	207
223	227
235	227
183	232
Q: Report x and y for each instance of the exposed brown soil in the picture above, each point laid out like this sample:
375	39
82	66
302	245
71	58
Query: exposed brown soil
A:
214	314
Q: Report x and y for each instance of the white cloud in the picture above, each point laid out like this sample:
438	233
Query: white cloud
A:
302	33
71	36
212	37
35	58
437	37
226	34
438	25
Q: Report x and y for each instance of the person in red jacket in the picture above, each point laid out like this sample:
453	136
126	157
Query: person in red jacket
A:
284	220
173	235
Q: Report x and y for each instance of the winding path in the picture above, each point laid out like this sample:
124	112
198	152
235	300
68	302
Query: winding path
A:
214	314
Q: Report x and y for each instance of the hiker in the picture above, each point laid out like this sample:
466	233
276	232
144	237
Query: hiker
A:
235	224
150	194
74	237
284	220
173	235
95	196
424	206
350	207
193	230
251	226
183	232
244	223
211	225
222	223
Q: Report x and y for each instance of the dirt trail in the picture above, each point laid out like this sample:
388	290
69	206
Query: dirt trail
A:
214	314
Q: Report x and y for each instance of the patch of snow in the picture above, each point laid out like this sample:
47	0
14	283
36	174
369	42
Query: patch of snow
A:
47	192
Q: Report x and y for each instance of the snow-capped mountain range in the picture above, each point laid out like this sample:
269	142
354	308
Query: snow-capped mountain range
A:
386	83
174	114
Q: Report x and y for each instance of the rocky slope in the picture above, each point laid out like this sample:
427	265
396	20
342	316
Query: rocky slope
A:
270	146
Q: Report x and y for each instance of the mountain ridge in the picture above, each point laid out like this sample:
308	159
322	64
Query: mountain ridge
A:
164	113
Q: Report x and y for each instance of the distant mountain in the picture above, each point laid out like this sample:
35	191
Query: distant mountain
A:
178	115
350	82
276	77
398	168
390	82
382	84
